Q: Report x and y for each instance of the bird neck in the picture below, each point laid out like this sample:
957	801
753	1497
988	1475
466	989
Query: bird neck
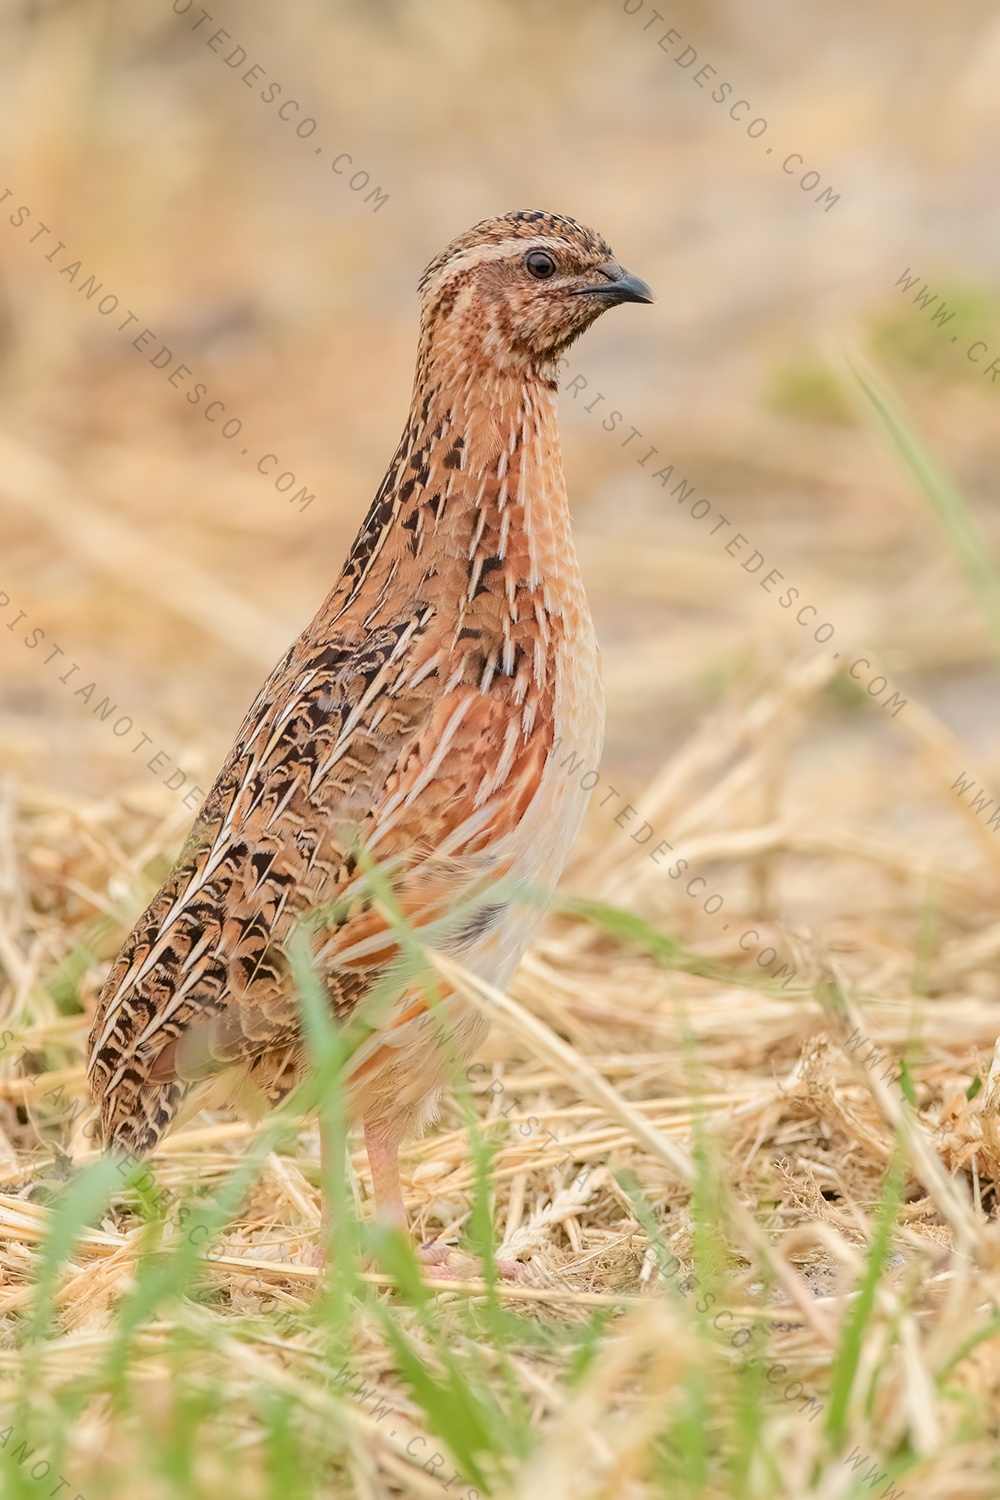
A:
474	500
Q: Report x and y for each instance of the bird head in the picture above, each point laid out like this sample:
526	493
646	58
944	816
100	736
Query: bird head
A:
517	290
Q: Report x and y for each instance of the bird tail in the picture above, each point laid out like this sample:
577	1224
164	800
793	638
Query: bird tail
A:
136	1127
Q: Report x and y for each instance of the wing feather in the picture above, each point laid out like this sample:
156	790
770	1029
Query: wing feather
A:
353	744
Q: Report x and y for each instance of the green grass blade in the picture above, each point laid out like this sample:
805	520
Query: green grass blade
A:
847	1358
77	1206
943	497
629	928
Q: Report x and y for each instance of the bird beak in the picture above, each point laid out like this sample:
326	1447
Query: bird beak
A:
618	285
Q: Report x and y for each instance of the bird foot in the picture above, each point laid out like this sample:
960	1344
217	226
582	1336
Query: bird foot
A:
435	1260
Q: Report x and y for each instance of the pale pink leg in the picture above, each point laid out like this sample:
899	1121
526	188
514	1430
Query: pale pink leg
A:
383	1159
382	1146
317	1255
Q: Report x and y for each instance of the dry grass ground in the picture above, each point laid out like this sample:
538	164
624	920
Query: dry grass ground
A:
743	1134
610	1061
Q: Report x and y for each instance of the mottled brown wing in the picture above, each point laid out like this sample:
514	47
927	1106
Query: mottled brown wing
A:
347	745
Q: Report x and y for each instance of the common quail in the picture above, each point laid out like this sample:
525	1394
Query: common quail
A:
412	725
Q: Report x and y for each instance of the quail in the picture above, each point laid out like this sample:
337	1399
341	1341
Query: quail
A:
415	726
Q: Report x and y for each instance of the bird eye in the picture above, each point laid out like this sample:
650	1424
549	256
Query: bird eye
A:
539	265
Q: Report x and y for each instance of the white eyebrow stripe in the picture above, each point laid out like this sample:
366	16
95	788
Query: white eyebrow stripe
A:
481	255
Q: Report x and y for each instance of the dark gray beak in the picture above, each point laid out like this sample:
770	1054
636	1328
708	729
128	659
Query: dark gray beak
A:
617	285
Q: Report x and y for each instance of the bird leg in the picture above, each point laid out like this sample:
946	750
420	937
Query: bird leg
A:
382	1146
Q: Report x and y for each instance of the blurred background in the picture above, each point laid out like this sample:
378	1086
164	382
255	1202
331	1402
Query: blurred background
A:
275	260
